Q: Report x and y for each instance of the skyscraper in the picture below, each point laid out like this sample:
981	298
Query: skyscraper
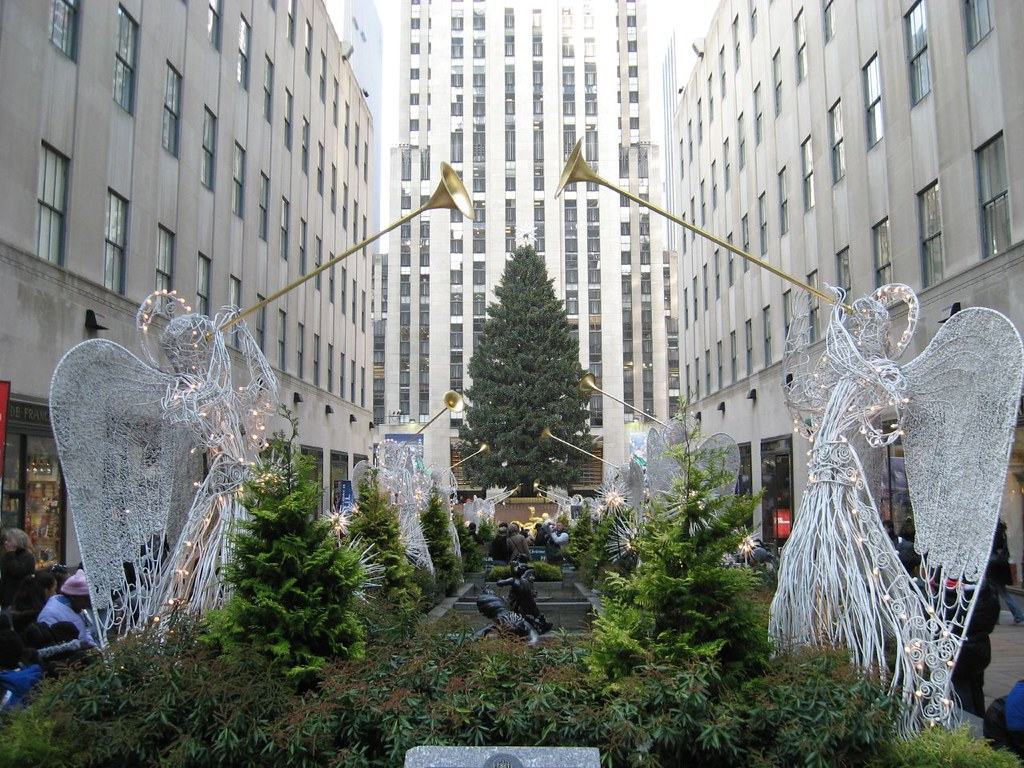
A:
503	91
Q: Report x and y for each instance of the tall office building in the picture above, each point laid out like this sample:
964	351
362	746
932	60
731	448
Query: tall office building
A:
217	148
502	91
851	144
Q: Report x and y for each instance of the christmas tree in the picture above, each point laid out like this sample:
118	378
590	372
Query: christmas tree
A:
294	587
447	568
525	373
375	521
681	603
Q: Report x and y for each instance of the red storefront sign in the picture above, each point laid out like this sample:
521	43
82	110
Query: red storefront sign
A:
5	395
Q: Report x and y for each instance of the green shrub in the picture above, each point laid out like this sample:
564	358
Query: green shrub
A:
542	571
581	536
32	739
447	567
375	522
472	554
939	748
294	586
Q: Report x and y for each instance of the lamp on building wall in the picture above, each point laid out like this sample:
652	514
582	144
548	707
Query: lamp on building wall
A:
721	407
951	310
752	395
92	322
328	409
351	418
697	417
296	398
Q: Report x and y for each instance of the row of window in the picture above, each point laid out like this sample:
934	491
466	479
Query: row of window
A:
995	225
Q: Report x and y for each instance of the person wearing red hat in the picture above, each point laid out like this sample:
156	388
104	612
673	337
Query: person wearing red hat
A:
69	605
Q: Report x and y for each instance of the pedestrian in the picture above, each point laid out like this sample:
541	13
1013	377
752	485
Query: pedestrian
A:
29	601
976	652
16	678
909	556
998	572
16	563
559	539
1004	721
517	542
69	605
501	549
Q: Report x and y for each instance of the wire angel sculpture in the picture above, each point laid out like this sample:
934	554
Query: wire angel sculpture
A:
409	488
840	580
126	457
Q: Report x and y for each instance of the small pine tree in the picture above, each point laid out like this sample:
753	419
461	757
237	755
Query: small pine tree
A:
681	603
447	568
375	522
472	557
294	588
581	536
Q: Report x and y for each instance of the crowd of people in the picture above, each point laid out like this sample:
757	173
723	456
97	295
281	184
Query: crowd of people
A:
513	542
44	622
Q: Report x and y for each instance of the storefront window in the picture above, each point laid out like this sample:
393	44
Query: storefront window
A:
745	478
339	475
318	472
777	485
33	492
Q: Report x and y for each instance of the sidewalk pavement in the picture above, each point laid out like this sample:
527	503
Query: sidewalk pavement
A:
1007	665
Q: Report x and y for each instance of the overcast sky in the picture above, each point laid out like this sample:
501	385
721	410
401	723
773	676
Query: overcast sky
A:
688	18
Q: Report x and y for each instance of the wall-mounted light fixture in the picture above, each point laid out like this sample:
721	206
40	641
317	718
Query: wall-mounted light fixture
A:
752	394
721	407
92	322
328	409
296	398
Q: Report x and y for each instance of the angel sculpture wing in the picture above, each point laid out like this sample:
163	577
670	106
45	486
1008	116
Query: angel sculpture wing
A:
963	392
720	451
661	469
127	471
634	478
360	472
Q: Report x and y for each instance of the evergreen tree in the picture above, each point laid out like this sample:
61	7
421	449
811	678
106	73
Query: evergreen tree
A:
375	522
447	568
295	588
472	556
525	373
681	603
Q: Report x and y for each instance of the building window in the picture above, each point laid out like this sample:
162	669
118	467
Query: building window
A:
762	222
282	340
741	149
330	367
261	323
213	24
930	214
264	221
116	232
300	351
882	253
52	199
303	231
124	60
164	259
843	269
172	110
777	80
286	216
758	122
206	171
873	100
800	31
238	181
807	171
829	21
917	50
323	77
288	119
783	204
812	318
995	209
268	89
979	21
766	320
63	26
244	36
787	312
304	152
316	359
745	236
203	285
835	140
309	48
732	357
291	34
748	339
320	168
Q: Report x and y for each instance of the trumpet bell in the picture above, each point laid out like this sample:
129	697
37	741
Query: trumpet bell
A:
576	169
451	193
453	401
545	434
588	384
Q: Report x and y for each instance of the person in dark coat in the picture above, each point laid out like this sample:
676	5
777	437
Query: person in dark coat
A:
998	572
976	652
16	563
905	548
501	549
1004	721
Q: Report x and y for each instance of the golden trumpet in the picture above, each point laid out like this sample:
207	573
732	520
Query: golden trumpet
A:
453	402
450	193
576	170
588	384
484	447
546	434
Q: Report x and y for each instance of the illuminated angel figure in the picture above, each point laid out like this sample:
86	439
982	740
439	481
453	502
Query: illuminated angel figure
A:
129	455
840	580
